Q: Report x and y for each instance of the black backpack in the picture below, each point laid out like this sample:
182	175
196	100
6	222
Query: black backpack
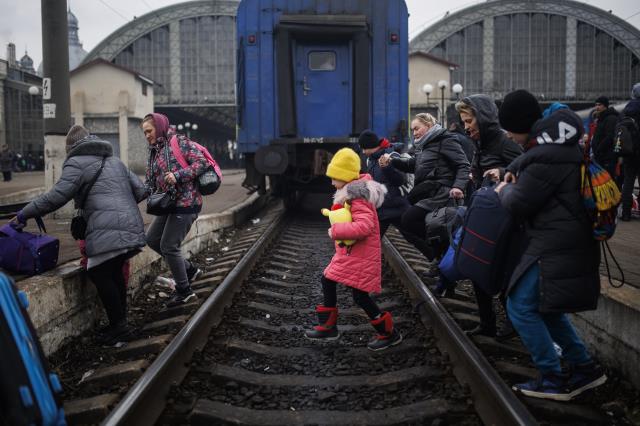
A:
627	138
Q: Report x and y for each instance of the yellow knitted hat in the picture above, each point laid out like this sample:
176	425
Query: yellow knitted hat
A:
344	166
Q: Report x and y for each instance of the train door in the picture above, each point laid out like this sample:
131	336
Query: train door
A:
323	89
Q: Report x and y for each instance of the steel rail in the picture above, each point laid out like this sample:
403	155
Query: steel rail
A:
494	402
145	401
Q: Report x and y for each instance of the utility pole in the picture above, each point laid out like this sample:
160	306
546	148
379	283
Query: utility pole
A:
55	90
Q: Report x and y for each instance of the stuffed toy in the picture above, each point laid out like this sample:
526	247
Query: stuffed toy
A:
339	214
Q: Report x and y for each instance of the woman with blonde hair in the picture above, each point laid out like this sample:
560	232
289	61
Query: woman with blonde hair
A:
441	172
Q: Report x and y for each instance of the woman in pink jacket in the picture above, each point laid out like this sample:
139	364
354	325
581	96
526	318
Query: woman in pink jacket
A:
359	265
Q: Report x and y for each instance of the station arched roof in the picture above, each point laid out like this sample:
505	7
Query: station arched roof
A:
619	29
128	33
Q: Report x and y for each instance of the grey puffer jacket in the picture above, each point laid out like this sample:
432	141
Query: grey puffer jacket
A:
113	219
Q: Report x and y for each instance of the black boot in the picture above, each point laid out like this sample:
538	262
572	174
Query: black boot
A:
626	216
482	330
387	334
327	328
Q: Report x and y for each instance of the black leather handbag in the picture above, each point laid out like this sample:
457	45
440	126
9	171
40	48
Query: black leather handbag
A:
79	223
161	203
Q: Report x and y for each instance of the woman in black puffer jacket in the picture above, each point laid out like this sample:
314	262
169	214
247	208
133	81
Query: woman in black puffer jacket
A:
441	171
559	270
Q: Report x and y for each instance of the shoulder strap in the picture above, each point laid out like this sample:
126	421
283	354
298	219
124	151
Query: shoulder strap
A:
95	178
177	152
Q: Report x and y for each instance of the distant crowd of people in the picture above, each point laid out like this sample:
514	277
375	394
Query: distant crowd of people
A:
11	162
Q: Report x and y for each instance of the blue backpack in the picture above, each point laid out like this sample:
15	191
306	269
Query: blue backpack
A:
447	265
30	394
482	251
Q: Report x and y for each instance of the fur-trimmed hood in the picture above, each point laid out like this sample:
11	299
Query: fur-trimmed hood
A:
365	188
91	145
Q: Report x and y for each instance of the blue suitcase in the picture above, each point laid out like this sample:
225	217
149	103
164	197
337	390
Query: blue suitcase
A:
29	393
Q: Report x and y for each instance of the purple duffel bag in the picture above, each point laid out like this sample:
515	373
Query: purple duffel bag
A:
26	253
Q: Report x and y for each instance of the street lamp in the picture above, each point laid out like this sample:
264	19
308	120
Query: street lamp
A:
180	127
427	89
442	84
34	91
457	89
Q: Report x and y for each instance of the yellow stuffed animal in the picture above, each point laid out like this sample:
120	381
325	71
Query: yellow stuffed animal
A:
340	214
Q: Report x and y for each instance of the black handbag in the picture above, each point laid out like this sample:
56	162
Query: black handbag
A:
161	203
79	223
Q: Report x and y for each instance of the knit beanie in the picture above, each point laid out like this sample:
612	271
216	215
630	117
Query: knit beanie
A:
76	133
603	100
368	140
344	166
635	92
518	112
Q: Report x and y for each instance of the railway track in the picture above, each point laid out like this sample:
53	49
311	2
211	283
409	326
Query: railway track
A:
241	358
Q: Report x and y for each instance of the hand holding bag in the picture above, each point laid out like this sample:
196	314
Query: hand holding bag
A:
79	223
161	203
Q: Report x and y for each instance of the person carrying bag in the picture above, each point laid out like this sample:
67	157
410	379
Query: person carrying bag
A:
176	199
107	193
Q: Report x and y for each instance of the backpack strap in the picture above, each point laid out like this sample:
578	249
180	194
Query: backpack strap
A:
177	152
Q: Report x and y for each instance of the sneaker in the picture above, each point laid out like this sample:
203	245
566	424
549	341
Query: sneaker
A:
178	298
546	386
193	274
584	377
119	333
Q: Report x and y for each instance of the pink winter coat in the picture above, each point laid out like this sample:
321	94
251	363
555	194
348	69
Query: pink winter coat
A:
359	266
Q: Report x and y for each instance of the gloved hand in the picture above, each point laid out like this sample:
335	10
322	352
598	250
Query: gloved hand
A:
19	221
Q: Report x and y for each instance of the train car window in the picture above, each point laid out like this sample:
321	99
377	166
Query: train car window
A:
322	61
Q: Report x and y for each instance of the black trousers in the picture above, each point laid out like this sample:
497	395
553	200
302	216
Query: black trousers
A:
110	283
6	176
414	229
631	171
485	307
361	298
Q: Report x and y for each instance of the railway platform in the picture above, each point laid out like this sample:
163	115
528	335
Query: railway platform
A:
30	183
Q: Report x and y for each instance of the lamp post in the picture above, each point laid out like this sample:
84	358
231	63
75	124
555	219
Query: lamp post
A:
457	89
427	89
442	84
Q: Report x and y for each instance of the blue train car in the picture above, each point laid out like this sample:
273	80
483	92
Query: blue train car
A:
312	75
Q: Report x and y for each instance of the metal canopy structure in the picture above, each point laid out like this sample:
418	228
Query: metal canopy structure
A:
588	39
188	49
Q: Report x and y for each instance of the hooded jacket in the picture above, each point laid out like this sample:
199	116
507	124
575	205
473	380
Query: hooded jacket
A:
632	109
358	266
111	209
440	160
547	199
602	142
494	149
188	198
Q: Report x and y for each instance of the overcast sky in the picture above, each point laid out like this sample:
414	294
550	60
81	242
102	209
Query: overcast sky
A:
20	21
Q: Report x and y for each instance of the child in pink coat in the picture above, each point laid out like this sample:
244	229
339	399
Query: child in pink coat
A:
359	265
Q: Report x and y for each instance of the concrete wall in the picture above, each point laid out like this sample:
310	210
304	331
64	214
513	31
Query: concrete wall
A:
422	71
64	304
612	332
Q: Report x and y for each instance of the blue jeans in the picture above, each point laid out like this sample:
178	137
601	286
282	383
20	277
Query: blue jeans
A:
539	330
